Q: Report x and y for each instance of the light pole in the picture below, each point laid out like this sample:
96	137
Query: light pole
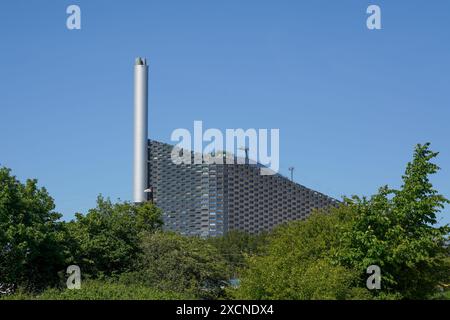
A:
246	153
149	193
291	169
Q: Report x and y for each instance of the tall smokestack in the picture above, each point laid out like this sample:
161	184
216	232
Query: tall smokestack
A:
140	175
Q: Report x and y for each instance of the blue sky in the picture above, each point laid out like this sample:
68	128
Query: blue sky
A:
350	103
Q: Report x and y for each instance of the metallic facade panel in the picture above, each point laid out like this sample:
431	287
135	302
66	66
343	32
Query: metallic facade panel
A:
211	199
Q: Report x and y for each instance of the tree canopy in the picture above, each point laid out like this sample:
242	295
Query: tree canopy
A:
327	256
299	263
176	263
396	230
106	241
32	247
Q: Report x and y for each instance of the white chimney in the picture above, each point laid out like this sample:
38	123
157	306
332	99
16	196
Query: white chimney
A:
140	168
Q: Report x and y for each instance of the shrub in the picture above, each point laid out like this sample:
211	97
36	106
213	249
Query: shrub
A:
171	262
106	241
299	262
100	290
235	245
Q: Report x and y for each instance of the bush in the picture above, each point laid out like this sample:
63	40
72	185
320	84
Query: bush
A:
100	290
171	262
299	263
236	245
106	241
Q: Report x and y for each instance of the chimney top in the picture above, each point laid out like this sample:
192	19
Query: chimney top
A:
141	61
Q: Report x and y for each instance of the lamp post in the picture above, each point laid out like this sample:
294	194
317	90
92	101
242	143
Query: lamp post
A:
291	169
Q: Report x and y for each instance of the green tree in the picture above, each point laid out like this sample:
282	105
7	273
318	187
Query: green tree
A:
106	241
299	262
396	230
32	247
176	263
235	245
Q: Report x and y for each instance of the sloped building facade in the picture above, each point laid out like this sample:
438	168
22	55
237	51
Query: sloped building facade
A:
211	199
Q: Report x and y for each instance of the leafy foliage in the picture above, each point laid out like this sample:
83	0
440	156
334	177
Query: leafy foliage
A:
106	241
299	262
395	230
181	264
31	238
326	256
236	245
100	290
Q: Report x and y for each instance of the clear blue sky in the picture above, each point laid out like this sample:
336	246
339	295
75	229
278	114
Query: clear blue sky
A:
350	103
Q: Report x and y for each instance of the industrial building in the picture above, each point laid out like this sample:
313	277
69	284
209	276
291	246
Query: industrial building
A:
211	199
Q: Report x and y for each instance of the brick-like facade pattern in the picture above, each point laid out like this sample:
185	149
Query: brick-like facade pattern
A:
210	199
